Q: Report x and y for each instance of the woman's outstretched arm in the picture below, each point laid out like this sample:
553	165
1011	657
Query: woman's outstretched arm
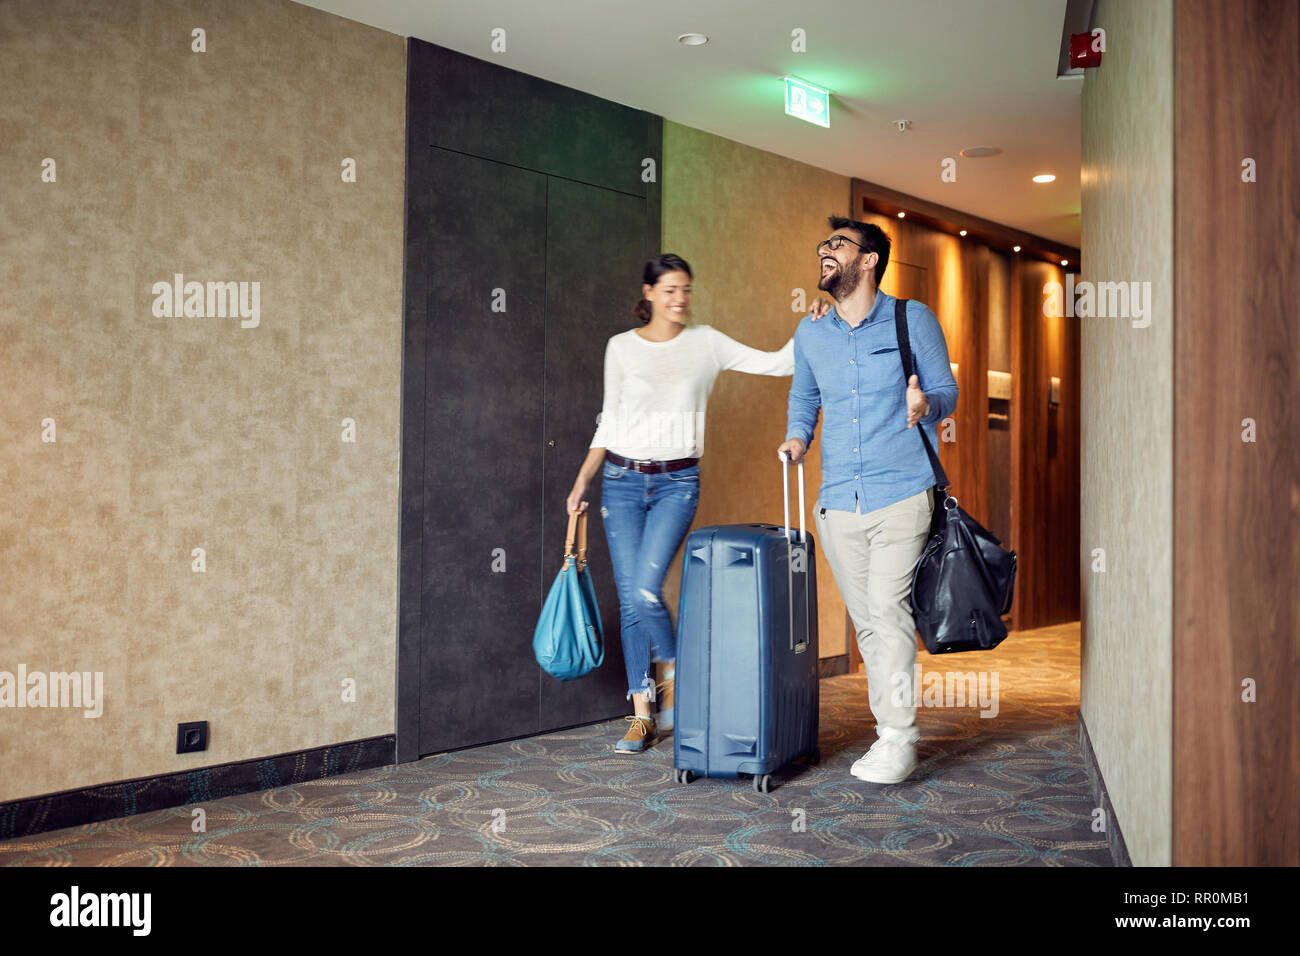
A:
731	354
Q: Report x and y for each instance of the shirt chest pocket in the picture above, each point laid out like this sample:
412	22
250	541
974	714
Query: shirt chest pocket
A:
884	371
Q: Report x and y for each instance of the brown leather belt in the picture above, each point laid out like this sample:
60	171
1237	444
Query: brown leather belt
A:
649	467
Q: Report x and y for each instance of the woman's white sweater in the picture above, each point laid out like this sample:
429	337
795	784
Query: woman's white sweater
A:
656	393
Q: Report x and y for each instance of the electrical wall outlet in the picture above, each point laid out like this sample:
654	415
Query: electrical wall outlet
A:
192	737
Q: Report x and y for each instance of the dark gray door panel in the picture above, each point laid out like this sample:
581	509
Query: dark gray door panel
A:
482	451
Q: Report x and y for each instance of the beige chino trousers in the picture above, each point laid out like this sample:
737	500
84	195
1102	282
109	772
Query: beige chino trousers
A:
873	556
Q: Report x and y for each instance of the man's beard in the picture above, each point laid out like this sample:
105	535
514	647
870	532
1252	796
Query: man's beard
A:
841	283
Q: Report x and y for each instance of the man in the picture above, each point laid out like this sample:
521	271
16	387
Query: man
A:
873	511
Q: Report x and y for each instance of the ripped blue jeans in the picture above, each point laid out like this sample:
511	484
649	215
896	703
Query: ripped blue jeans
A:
646	517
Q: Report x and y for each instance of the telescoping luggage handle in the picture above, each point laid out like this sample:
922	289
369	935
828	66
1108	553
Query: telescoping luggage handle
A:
785	475
802	645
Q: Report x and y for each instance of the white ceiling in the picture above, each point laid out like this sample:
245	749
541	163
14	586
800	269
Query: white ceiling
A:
965	72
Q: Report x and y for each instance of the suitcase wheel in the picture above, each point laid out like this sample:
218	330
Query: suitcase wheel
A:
682	776
813	756
762	783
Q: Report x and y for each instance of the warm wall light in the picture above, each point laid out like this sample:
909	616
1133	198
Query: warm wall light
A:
1000	385
1044	178
1015	248
962	233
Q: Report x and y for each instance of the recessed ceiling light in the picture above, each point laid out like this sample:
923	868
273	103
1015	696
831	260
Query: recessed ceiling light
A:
1044	178
962	233
1065	262
692	39
1015	248
902	215
979	152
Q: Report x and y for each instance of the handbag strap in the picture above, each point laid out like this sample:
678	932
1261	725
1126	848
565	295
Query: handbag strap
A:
909	369
578	530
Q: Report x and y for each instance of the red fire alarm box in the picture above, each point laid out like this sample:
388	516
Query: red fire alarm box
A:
1082	52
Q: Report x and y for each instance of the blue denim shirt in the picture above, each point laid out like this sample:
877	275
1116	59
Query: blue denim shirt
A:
854	374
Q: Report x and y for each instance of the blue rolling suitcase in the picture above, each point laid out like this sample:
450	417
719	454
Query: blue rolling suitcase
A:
746	689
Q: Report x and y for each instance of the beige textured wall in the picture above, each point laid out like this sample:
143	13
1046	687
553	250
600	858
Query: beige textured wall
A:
183	433
1127	426
749	222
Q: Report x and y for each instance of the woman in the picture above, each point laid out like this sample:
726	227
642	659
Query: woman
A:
648	445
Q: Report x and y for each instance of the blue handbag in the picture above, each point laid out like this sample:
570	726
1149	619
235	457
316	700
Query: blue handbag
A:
567	642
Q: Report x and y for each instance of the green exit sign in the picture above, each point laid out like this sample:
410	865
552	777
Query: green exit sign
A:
807	102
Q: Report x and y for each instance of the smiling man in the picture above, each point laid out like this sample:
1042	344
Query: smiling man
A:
873	510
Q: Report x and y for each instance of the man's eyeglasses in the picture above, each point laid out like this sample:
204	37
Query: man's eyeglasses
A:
833	244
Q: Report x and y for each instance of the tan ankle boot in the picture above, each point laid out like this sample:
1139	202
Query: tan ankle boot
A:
639	736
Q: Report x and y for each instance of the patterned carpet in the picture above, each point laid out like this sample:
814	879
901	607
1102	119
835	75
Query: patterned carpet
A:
1005	790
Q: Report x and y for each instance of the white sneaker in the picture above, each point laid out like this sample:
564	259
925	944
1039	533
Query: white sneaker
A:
891	759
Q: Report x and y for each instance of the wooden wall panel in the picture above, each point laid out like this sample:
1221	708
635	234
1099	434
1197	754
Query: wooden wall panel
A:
997	315
1064	578
1044	452
1236	515
1028	423
971	352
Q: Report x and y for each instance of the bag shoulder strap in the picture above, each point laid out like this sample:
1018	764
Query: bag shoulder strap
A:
909	369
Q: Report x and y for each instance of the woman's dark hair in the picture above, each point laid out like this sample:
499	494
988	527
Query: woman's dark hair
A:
654	269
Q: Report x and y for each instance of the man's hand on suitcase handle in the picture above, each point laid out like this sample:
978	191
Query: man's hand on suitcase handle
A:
794	448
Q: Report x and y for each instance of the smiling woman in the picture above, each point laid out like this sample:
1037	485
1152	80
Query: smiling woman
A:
650	488
667	279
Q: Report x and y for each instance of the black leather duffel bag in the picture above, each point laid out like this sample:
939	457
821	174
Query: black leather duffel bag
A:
964	581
